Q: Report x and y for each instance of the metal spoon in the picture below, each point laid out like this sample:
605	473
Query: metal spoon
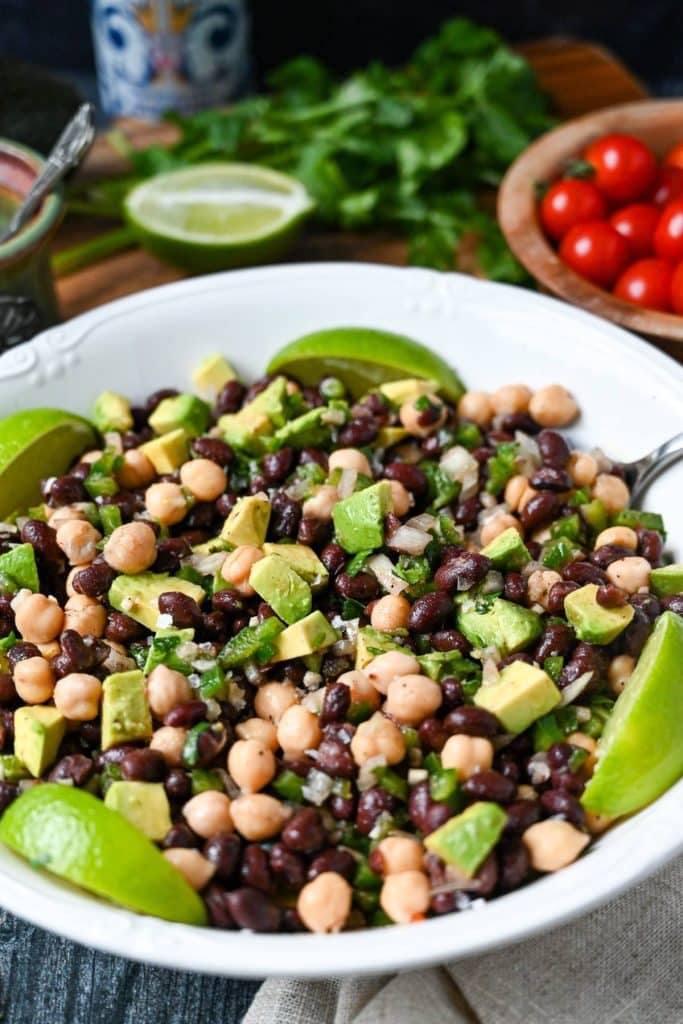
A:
641	473
67	151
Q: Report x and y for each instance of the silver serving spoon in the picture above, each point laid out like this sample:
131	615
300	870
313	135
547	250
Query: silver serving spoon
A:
67	151
641	473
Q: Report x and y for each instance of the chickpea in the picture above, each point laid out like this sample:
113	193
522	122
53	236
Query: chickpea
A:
498	524
511	398
131	548
362	689
204	479
325	903
208	813
166	502
620	536
78	696
350	458
85	615
386	667
260	730
411	417
582	468
273	699
257	816
632	574
514	489
78	540
299	730
375	737
400	853
587	743
39	619
540	583
251	765
525	792
619	672
553	844
137	470
476	406
597	823
612	492
169	741
50	650
34	680
553	406
64	514
390	613
196	870
320	505
401	499
526	497
237	567
467	754
166	689
411	699
405	896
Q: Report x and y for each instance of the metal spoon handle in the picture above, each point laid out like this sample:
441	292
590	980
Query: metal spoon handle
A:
642	473
66	153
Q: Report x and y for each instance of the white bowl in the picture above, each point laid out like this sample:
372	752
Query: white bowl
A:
631	396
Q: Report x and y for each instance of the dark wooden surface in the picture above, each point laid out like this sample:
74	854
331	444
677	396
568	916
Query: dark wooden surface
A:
47	980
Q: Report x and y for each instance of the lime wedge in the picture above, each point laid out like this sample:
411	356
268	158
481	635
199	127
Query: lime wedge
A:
218	215
640	753
72	834
363	358
34	444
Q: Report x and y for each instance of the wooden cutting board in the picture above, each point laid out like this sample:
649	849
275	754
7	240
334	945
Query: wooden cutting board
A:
579	77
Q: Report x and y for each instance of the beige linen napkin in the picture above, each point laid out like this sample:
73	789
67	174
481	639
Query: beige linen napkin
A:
622	964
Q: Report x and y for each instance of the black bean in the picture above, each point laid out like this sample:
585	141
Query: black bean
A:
122	629
276	465
358	432
223	850
43	540
180	835
214	449
8	693
255	870
314	532
362	587
514	865
288	867
555	640
66	490
673	603
8	793
450	640
214	626
250	909
516	656
426	814
461	572
21	651
489	784
515	588
343	808
307	455
178	784
225	504
144	765
184	610
549	478
200	517
554	449
76	768
486	877
127	503
157	397
94	580
412	478
539	510
430	612
432	447
572	782
608	553
333	558
556	595
507	766
229	398
634	637
584	572
452	694
522	814
559	755
6	616
610	596
513	421
467	512
560	802
211	743
650	546
336	703
216	900
433	734
471	721
304	832
648	604
228	602
339	861
371	803
187	714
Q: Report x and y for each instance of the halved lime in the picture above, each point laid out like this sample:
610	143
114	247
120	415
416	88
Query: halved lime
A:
640	753
72	834
363	358
218	215
34	444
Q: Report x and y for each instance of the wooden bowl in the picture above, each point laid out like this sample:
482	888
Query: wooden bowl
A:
659	123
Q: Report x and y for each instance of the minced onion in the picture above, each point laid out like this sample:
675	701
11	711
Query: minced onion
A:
366	773
347	482
382	568
318	787
575	689
529	456
459	465
409	540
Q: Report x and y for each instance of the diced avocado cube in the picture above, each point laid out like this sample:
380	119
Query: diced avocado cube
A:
505	625
387	437
270	402
591	621
144	804
370	642
282	588
38	732
243	430
305	637
359	519
667	580
168	452
303	560
18	565
181	412
112	412
12	768
466	840
247	522
212	373
507	551
307	430
522	694
125	712
138	596
409	390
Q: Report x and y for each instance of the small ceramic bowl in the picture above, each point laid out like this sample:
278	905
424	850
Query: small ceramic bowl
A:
659	123
27	296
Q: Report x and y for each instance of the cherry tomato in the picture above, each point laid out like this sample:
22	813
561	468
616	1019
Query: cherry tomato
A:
674	158
668	186
668	240
569	202
637	224
596	251
646	283
677	289
625	169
